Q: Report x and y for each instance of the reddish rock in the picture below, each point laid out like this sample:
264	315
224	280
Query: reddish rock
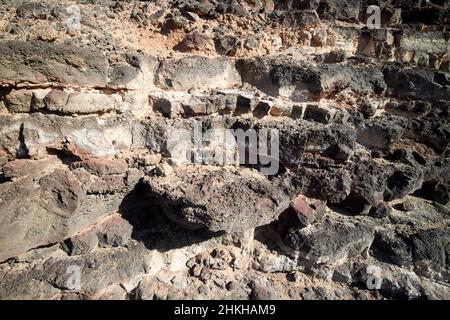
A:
101	167
20	168
193	41
308	210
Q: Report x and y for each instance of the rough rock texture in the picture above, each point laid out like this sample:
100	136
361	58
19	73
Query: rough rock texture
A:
219	200
98	102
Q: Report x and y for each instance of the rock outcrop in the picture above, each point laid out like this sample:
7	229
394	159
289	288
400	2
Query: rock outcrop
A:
224	150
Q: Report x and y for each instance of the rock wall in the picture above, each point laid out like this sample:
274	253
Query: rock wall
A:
95	96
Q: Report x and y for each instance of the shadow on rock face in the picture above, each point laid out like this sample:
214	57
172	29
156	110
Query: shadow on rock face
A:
153	228
271	234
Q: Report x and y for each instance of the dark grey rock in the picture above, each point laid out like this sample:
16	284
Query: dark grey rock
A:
414	83
431	249
197	198
379	133
380	210
227	45
391	247
331	240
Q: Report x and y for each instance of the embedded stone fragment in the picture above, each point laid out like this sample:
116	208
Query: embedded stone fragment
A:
302	81
19	101
414	83
431	249
262	290
379	134
86	143
391	247
333	185
308	210
114	231
126	76
193	41
403	181
62	192
81	243
262	108
21	168
436	191
88	102
304	18
319	38
346	10
38	213
301	138
218	199
330	241
227	45
33	135
98	269
56	99
195	72
380	210
51	63
318	113
102	167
